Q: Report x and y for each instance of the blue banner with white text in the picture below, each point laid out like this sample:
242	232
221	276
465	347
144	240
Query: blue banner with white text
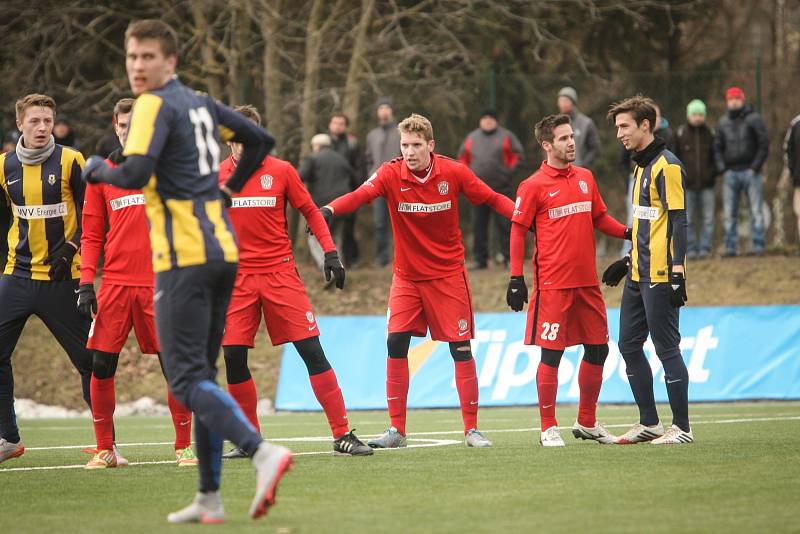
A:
733	353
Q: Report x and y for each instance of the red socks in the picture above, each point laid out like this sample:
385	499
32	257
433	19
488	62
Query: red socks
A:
590	379
326	389
547	387
104	401
181	420
247	397
467	386
397	392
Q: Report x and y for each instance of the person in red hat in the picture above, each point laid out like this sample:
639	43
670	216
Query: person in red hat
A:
741	146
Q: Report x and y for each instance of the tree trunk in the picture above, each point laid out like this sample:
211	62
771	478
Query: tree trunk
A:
352	87
209	63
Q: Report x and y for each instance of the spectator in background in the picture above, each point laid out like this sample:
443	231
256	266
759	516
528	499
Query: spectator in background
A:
587	142
741	146
347	145
695	148
64	134
663	132
791	147
494	154
383	144
327	175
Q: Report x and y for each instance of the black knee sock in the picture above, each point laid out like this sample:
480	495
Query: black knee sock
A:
676	376
8	419
640	377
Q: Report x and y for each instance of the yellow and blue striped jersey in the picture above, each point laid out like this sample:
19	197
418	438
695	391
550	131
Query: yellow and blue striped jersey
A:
44	200
658	188
180	129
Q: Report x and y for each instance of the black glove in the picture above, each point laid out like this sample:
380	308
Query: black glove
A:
333	267
60	262
616	271
94	165
87	300
628	233
327	214
226	198
517	293
677	295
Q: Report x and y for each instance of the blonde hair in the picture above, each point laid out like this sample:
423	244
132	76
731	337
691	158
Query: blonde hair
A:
34	100
416	124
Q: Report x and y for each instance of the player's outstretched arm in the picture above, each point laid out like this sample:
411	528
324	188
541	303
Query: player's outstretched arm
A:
477	192
134	173
257	143
612	227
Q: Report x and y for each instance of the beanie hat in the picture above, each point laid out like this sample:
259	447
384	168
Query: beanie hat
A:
384	101
696	107
734	92
489	112
570	93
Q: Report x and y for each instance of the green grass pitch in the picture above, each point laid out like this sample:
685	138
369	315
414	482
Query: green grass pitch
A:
741	475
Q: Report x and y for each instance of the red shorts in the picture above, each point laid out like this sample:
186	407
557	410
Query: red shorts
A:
561	318
281	297
444	305
118	309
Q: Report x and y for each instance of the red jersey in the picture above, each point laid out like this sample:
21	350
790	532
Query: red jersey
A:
258	215
126	246
424	213
563	207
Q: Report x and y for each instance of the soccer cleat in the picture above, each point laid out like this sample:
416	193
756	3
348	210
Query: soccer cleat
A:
206	508
185	457
597	433
121	460
674	436
473	438
235	452
640	433
390	439
551	438
271	463
104	459
10	450
350	445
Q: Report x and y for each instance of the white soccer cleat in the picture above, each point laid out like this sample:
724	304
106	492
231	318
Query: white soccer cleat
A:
473	438
674	436
271	463
10	450
121	460
640	433
551	438
597	433
206	508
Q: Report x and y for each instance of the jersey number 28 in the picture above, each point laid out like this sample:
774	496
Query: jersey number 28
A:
205	140
550	331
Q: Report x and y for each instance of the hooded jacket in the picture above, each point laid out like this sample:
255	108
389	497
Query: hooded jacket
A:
741	141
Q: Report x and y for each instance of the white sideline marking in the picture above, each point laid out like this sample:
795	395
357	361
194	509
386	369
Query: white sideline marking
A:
429	442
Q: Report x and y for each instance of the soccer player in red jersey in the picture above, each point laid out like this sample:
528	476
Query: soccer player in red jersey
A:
429	289
561	204
125	300
267	282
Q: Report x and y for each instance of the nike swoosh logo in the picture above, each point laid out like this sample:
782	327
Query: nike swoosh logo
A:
392	398
184	423
673	381
310	328
653	285
548	406
13	181
98	420
463	333
555	193
473	402
405	189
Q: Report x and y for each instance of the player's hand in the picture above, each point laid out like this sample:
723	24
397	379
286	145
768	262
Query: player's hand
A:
334	268
517	293
60	262
677	285
615	272
93	167
628	233
87	300
226	198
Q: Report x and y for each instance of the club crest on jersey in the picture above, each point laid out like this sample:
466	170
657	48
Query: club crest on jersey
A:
51	179
462	325
310	317
444	188
584	187
266	182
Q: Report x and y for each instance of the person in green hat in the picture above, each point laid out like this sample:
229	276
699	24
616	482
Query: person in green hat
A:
695	148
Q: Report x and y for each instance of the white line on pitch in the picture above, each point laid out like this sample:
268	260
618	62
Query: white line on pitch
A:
428	443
